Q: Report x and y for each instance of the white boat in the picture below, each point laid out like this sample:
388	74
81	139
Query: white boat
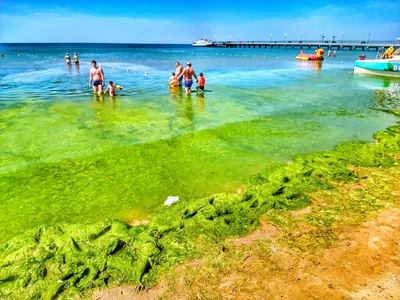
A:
388	65
202	43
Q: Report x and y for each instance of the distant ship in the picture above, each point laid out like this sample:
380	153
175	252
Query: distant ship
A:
202	43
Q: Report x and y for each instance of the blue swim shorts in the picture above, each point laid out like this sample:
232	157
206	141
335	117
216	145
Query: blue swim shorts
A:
97	82
188	83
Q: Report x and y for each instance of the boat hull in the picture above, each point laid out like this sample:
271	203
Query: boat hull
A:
310	57
196	45
384	67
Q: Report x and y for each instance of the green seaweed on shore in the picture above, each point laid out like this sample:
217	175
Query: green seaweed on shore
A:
67	260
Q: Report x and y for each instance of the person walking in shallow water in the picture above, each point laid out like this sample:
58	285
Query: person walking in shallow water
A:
179	70
96	78
188	73
67	59
76	59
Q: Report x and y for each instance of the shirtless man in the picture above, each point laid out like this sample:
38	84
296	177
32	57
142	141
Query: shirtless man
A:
97	77
188	73
178	72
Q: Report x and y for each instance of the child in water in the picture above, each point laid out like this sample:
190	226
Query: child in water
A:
172	80
202	83
111	88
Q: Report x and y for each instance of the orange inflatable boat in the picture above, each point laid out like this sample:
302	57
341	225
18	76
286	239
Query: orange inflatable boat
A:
319	55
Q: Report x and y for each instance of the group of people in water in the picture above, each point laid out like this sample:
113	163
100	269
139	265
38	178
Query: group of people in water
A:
181	76
187	74
68	61
334	53
96	80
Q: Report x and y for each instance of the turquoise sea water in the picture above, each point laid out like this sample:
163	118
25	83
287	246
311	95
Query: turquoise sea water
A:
68	155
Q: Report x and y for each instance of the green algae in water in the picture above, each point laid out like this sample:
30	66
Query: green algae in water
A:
67	260
84	161
131	180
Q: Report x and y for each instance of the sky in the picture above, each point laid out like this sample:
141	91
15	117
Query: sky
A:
169	21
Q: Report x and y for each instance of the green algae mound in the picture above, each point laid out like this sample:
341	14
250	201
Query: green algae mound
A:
67	260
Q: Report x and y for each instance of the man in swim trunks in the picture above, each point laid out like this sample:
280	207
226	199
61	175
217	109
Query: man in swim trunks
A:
178	72
189	73
96	77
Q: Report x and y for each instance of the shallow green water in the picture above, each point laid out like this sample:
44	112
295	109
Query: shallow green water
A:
79	158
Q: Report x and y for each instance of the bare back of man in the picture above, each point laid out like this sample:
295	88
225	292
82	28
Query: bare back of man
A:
188	74
96	78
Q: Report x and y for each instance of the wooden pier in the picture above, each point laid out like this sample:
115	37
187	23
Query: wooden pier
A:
375	46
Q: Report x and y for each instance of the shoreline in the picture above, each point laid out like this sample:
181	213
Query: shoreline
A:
69	260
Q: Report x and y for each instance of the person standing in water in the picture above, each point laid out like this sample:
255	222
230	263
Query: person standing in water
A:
111	89
188	73
334	53
76	59
67	59
179	70
96	77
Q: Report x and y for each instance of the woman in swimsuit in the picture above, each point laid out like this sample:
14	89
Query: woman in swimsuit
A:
67	59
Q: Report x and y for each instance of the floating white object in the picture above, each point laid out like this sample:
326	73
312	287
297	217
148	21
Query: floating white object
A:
170	200
145	73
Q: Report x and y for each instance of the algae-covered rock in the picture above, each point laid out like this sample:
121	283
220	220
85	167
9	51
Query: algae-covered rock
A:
65	260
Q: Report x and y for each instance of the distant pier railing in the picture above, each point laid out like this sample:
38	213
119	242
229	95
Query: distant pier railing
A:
334	45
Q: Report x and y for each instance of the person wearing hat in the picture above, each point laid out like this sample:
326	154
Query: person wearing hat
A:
67	59
76	59
188	73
